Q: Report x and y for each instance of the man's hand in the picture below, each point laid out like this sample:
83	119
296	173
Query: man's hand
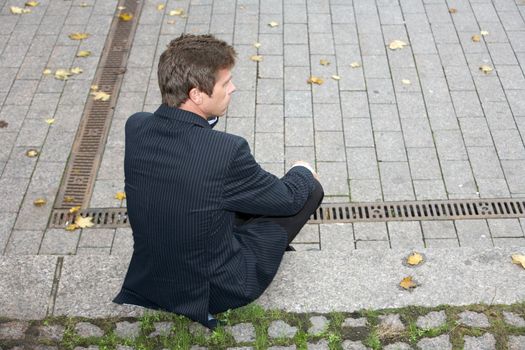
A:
307	166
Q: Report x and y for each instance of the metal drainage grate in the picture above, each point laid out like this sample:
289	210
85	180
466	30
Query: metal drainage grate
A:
351	212
87	150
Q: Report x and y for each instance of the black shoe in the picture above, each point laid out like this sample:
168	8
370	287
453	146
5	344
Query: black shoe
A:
214	323
289	249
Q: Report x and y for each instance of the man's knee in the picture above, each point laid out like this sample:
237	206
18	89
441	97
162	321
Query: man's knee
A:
318	193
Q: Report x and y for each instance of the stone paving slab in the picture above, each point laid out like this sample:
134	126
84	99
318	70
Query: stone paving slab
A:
26	285
351	281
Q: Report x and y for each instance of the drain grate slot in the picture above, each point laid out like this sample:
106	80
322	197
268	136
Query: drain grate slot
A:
348	212
88	147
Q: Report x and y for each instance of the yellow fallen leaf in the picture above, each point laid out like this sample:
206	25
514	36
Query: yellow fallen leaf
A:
519	259
39	202
486	69
32	153
406	81
62	74
176	12
407	283
452	10
484	33
71	227
273	24
315	80
74	210
397	44
100	96
50	121
414	259
84	222
120	196
93	87
336	77
172	21
324	62
256	58
47	71
84	53
32	3
121	8
76	70
257	44
69	199
19	10
126	16
476	38
83	4
78	36
160	7
355	64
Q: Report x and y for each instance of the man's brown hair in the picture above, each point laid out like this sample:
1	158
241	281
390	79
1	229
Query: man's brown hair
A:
192	61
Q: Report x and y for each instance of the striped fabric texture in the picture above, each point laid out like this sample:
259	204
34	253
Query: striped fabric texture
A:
184	183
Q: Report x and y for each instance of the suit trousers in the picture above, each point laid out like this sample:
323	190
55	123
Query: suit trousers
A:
292	224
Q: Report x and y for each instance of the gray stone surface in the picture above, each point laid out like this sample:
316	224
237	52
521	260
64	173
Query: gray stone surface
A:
441	342
162	329
243	332
86	329
13	330
104	278
433	319
391	323
397	346
473	319
513	319
319	325
320	345
353	345
280	329
26	286
52	332
516	342
485	342
354	322
127	329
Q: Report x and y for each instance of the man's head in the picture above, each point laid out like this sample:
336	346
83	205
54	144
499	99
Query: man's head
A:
194	73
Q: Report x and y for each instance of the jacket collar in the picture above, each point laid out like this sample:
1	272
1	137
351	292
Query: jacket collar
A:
182	115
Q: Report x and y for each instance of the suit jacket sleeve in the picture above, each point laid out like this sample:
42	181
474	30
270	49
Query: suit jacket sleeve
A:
250	189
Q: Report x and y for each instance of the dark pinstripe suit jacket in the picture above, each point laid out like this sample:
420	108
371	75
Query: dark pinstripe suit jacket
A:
184	183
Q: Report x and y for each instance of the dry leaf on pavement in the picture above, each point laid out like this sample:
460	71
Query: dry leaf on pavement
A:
452	10
336	77
126	16
273	24
160	7
256	58
486	69
397	44
257	45
62	74
32	153
32	3
69	199
414	259
3	124
93	87
407	283
39	202
83	222
74	210
50	121
121	8
484	33
19	10
324	62
84	53
47	71
315	80
476	38
519	259
76	70
176	12
406	81
355	64
100	96
78	36
120	196
71	227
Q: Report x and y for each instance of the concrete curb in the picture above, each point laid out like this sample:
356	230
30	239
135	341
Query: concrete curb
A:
40	286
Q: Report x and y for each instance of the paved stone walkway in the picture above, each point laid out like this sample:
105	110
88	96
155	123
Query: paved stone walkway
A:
324	332
422	122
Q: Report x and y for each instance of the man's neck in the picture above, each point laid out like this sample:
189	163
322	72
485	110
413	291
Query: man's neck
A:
193	108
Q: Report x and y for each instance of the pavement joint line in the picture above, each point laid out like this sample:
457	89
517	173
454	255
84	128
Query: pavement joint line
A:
54	287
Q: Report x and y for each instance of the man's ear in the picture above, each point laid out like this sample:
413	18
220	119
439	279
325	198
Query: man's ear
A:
196	96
